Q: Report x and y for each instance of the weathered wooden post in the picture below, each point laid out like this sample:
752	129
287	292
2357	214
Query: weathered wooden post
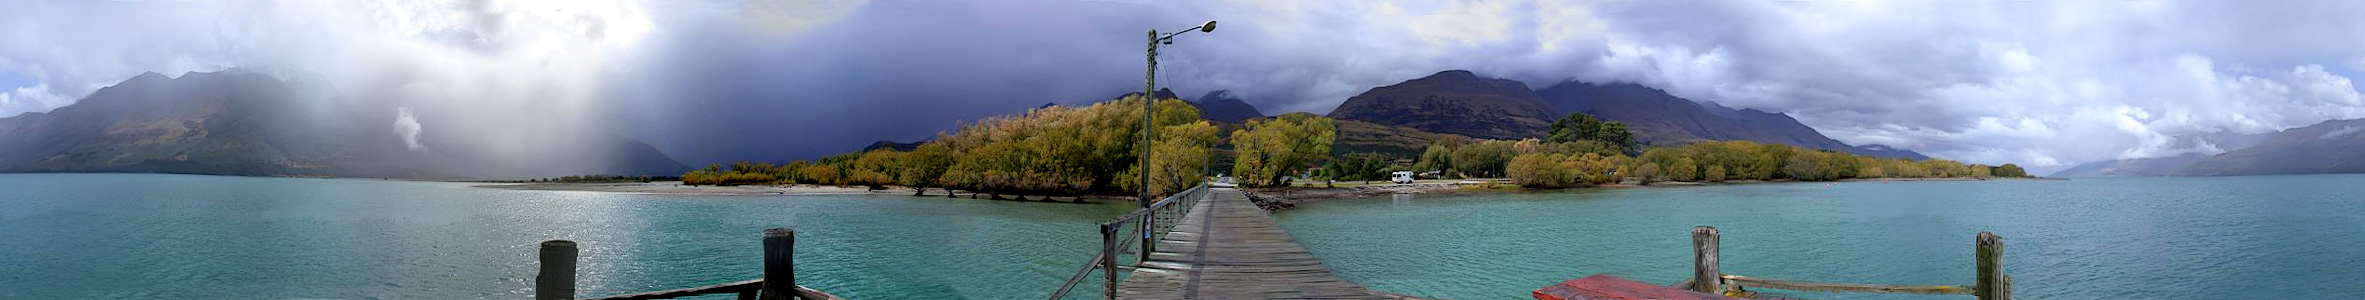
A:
1992	285
780	278
557	279
1705	277
1147	244
1108	257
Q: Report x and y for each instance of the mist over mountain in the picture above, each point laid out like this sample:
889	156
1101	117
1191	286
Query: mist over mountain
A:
2330	147
2139	167
267	123
2165	166
1223	106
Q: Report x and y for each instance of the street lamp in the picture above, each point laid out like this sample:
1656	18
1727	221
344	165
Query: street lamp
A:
1149	90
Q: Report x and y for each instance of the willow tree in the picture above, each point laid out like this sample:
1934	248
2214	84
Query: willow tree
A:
924	167
1178	159
1271	149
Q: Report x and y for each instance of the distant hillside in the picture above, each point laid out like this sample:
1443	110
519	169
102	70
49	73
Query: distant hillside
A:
2164	166
250	123
1394	141
2329	147
1658	118
1222	106
2142	167
1455	102
893	145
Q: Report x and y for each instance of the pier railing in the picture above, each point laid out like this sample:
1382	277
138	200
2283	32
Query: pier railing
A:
1992	283
1120	237
557	278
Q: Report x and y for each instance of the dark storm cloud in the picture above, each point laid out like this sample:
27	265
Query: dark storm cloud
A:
889	71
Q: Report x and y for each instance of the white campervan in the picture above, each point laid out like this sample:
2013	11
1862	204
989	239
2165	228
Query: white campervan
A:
1400	177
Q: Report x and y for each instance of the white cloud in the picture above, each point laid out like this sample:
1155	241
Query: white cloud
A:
515	74
37	97
407	126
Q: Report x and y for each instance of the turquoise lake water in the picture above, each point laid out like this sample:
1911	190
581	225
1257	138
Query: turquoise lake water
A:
2267	237
136	236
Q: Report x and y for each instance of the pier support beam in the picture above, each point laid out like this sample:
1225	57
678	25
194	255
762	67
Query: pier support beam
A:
557	279
780	279
1705	276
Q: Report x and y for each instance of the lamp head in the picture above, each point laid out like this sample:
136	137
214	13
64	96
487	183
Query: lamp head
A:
1210	27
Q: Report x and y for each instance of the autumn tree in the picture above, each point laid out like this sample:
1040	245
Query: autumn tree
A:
1683	169
1271	149
1438	158
1484	159
924	167
1179	158
2009	170
1647	173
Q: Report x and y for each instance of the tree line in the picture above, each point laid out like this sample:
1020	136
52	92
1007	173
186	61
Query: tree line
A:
1068	151
1056	150
1584	151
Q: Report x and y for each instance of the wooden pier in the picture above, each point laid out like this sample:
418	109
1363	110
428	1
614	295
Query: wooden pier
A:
1227	248
1213	243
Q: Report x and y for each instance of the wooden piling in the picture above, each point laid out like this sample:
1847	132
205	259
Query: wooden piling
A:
1108	258
1705	277
1992	285
557	279
780	280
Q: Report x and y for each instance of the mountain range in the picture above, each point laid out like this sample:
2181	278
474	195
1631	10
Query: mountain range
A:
1463	103
257	123
244	122
2334	146
2165	166
1222	106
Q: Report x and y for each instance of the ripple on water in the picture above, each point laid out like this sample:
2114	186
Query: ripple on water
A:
212	237
2150	238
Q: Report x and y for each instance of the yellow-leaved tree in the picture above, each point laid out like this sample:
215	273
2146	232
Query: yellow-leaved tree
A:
1272	149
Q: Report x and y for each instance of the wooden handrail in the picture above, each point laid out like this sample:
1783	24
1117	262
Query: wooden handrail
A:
1992	283
746	289
1114	240
741	287
1745	281
1161	204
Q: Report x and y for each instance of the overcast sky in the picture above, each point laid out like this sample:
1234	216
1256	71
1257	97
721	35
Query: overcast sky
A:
2040	83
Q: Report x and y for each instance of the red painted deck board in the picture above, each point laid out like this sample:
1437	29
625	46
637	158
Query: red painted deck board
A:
1606	287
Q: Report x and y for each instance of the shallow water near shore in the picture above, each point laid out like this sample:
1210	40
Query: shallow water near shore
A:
2265	237
143	236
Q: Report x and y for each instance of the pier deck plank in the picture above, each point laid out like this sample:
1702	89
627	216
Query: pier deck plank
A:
1227	248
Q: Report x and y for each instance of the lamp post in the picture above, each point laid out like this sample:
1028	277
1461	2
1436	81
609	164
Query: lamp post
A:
1149	90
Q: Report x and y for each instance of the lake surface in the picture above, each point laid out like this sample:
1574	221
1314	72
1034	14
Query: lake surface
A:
86	236
2263	237
139	236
